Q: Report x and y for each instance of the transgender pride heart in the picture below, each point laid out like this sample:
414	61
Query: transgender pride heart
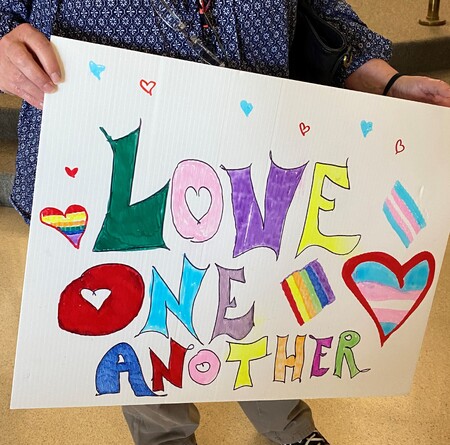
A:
390	292
71	224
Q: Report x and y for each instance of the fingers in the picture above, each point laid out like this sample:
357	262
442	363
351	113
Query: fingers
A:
21	86
438	90
28	65
422	89
40	47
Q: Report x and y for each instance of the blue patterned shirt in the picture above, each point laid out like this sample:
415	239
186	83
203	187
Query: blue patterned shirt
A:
253	35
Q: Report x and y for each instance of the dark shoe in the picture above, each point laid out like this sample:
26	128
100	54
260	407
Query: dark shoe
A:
314	438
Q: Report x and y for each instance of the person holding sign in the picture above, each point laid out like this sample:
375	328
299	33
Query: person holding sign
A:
252	36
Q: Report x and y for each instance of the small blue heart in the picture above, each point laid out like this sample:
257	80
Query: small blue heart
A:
246	107
96	69
366	127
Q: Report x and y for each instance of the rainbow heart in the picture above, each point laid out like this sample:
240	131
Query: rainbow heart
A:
390	292
71	224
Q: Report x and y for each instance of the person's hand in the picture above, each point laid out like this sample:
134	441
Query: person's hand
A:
374	75
28	65
422	89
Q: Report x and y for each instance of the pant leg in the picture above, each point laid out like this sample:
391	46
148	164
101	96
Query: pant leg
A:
166	424
281	421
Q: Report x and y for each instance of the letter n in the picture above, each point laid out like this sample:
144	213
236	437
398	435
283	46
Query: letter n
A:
163	299
174	372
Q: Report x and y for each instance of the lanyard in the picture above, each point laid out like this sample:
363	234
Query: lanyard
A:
205	14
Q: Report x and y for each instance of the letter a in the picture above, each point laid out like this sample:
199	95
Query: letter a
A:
130	227
120	358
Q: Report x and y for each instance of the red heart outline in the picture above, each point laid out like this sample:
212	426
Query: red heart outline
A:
398	270
399	147
303	128
74	208
147	86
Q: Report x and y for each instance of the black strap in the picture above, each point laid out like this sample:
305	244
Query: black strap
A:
391	82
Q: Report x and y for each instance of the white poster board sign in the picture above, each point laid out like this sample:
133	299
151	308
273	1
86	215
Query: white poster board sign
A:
205	234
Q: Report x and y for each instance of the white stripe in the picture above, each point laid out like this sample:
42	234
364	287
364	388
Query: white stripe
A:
402	216
403	305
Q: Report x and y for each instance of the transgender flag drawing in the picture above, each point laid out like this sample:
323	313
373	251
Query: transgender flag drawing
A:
403	214
308	291
389	291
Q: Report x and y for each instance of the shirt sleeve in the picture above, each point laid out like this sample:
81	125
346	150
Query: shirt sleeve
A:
365	43
13	13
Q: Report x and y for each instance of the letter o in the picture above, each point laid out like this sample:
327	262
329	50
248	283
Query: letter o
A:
196	175
204	357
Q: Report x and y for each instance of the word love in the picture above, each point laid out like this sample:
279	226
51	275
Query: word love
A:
204	367
139	226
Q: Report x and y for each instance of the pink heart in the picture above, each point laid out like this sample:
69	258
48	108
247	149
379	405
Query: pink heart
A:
304	128
147	86
399	147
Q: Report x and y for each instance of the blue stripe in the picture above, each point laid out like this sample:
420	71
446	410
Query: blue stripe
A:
388	327
410	203
374	272
395	226
416	279
321	295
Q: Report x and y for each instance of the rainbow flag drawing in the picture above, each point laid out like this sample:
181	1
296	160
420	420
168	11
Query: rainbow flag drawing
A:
403	214
308	291
71	224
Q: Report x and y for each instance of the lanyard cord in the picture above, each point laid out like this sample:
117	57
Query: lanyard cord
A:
195	41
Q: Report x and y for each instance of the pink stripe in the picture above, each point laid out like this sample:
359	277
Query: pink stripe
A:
399	220
380	292
406	212
390	315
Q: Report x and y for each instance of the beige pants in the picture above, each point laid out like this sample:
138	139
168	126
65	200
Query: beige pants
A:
280	421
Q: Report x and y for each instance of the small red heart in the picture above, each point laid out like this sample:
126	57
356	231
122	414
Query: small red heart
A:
71	171
399	147
147	86
304	128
